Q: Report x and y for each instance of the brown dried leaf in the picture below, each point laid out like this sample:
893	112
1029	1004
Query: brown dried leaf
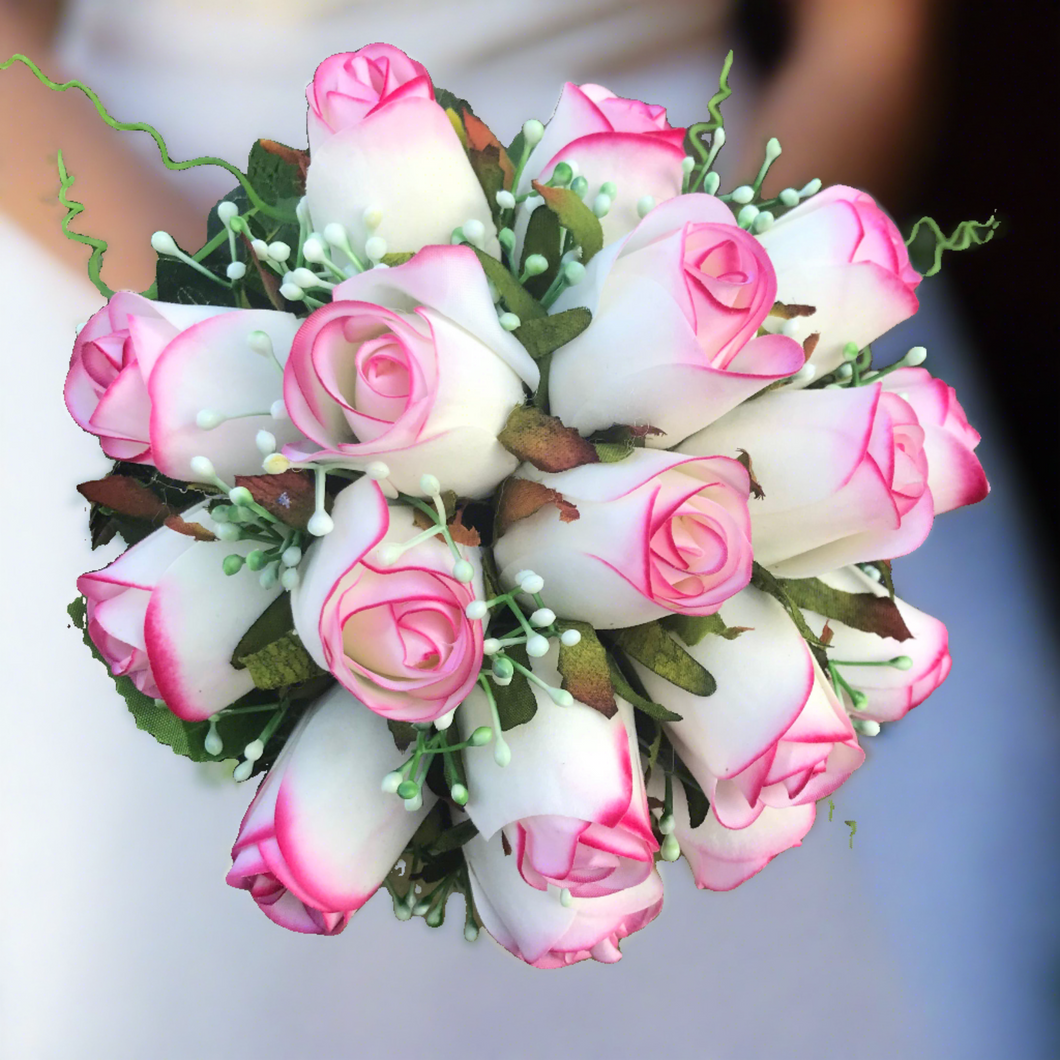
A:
463	535
810	344
789	312
743	457
291	155
827	633
126	496
195	530
290	497
480	138
520	498
543	440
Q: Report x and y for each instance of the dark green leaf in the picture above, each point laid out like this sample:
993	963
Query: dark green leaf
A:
693	628
397	258
404	733
764	581
515	296
885	568
585	670
544	441
623	688
544	237
454	838
282	663
179	282
865	611
698	804
654	648
516	703
277	172
275	621
576	217
541	394
542	335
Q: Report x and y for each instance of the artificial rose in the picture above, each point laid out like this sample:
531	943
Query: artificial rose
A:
841	254
650	534
774	733
379	141
537	928
891	691
320	836
722	858
955	476
571	802
165	614
610	140
394	634
676	307
844	473
106	386
410	366
142	372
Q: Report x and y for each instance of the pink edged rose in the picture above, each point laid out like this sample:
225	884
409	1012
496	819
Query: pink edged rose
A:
571	801
722	858
410	366
320	836
773	734
844	473
676	308
610	140
166	615
378	141
395	635
892	691
106	386
537	928
651	534
955	476
840	253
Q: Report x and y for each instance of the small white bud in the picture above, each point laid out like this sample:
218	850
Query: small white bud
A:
532	583
688	163
227	532
762	222
509	321
208	419
415	803
236	270
866	726
645	204
804	374
561	697
305	278
320	524
671	849
569	637
279	251
745	218
335	234
533	130
608	188
505	200
543	616
226	211
253	750
916	356
391	781
667	824
266	442
789	197
290	578
277	410
164	243
314	249
372	217
292	556
213	743
443	722
476	610
377	470
566	899
490	646
502	753
711	182
260	248
390	553
202	468
463	571
743	194
429	485
810	189
475	232
240	496
275	464
292	292
573	272
791	328
535	264
268	577
375	247
242	771
537	646
602	205
260	343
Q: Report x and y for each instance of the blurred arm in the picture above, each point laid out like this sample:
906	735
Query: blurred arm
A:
852	97
126	199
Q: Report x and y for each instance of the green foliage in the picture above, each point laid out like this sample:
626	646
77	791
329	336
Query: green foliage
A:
281	664
544	236
698	805
272	624
544	441
654	648
542	335
693	628
865	611
625	689
573	215
585	670
516	702
761	579
927	242
515	296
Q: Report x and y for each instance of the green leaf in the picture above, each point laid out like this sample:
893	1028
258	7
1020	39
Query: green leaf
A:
576	217
275	621
544	441
927	241
865	611
585	670
545	237
542	335
886	570
516	702
612	452
654	648
693	628
277	172
397	258
698	804
764	581
515	296
454	838
624	689
404	733
280	664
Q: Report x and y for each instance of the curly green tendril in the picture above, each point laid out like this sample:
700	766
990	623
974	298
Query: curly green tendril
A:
700	129
966	234
99	246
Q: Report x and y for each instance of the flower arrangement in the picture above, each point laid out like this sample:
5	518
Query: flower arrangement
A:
522	516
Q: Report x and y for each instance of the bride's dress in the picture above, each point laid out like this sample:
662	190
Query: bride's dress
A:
120	939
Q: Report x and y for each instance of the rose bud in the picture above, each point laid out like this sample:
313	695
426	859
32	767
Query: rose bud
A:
774	733
841	254
676	308
893	675
161	384
543	931
571	801
165	614
633	540
394	633
844	476
380	143
320	835
610	140
410	366
955	476
722	858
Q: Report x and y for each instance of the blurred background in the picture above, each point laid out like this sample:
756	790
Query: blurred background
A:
936	935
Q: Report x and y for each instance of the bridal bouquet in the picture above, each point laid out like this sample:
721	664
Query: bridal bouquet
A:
520	516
